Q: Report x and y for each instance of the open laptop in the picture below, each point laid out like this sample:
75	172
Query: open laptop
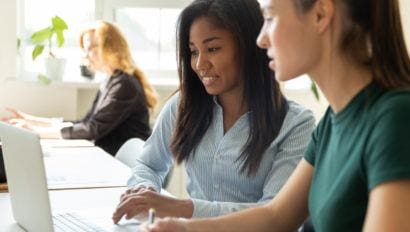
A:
23	159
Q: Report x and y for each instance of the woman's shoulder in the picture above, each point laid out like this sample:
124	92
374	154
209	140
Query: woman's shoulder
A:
171	104
120	76
297	111
299	117
125	81
169	110
400	96
392	101
173	101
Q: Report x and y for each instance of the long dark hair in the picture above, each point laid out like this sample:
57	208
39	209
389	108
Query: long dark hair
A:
266	103
373	36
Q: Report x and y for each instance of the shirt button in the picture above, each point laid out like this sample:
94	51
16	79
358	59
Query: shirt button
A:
216	186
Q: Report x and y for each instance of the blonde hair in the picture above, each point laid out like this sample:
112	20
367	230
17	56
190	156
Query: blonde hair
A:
114	50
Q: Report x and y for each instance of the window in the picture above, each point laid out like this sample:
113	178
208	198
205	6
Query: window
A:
152	41
149	26
35	15
302	82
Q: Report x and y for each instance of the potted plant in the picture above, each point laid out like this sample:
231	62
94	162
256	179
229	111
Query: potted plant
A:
55	32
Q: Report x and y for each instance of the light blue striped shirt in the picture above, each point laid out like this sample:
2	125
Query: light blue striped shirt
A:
215	183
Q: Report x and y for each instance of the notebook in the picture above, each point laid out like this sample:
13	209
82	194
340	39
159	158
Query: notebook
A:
29	196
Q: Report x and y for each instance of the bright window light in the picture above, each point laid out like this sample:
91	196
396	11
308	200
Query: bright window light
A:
300	83
152	41
37	15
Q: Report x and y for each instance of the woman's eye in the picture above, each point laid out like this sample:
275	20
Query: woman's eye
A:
268	19
194	52
213	49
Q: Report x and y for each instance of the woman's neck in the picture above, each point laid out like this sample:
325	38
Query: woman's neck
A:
340	81
234	107
108	70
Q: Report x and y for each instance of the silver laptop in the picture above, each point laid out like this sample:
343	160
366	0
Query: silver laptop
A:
23	159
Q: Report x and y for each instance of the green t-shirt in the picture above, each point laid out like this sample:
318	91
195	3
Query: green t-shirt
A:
355	150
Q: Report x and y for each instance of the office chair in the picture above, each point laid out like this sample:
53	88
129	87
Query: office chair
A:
128	151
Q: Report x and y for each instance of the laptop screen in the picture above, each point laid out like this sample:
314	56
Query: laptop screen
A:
27	183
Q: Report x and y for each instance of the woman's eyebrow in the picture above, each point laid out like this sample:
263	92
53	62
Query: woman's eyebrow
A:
207	40
267	8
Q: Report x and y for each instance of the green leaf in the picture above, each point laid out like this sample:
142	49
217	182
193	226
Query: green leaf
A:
60	38
43	79
314	90
58	23
37	51
41	35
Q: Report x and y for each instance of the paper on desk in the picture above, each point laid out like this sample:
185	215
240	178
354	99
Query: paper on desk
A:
66	143
83	167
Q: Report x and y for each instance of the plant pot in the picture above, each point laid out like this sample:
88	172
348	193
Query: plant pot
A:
86	72
55	68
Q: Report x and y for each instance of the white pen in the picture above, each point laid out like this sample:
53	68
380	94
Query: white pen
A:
151	216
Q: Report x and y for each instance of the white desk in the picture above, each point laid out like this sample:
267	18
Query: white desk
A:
93	175
62	143
83	167
102	201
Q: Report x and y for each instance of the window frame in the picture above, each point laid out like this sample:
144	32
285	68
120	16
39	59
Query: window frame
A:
22	74
105	10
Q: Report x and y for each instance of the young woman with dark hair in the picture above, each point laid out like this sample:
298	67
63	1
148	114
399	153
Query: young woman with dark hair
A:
355	175
238	137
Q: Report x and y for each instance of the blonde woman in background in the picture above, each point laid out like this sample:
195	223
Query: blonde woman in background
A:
121	107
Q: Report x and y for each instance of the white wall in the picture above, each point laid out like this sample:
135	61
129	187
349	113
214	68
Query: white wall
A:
40	100
405	13
8	38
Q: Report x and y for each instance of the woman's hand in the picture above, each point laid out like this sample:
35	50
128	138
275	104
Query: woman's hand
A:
165	225
16	118
19	122
134	190
14	114
141	200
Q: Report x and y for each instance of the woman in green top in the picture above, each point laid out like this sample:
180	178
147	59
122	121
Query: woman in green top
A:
356	172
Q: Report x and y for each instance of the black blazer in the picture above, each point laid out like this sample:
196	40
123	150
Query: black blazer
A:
119	112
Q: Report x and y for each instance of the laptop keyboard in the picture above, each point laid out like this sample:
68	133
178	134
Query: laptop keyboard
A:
66	222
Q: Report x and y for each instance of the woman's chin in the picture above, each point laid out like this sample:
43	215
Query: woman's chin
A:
211	91
272	65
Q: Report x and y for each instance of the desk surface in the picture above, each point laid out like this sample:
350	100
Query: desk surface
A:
62	143
79	164
83	167
89	202
87	169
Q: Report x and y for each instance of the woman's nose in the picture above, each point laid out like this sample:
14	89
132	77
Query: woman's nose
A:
202	62
262	40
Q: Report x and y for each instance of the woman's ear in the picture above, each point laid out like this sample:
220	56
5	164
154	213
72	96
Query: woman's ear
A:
324	14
